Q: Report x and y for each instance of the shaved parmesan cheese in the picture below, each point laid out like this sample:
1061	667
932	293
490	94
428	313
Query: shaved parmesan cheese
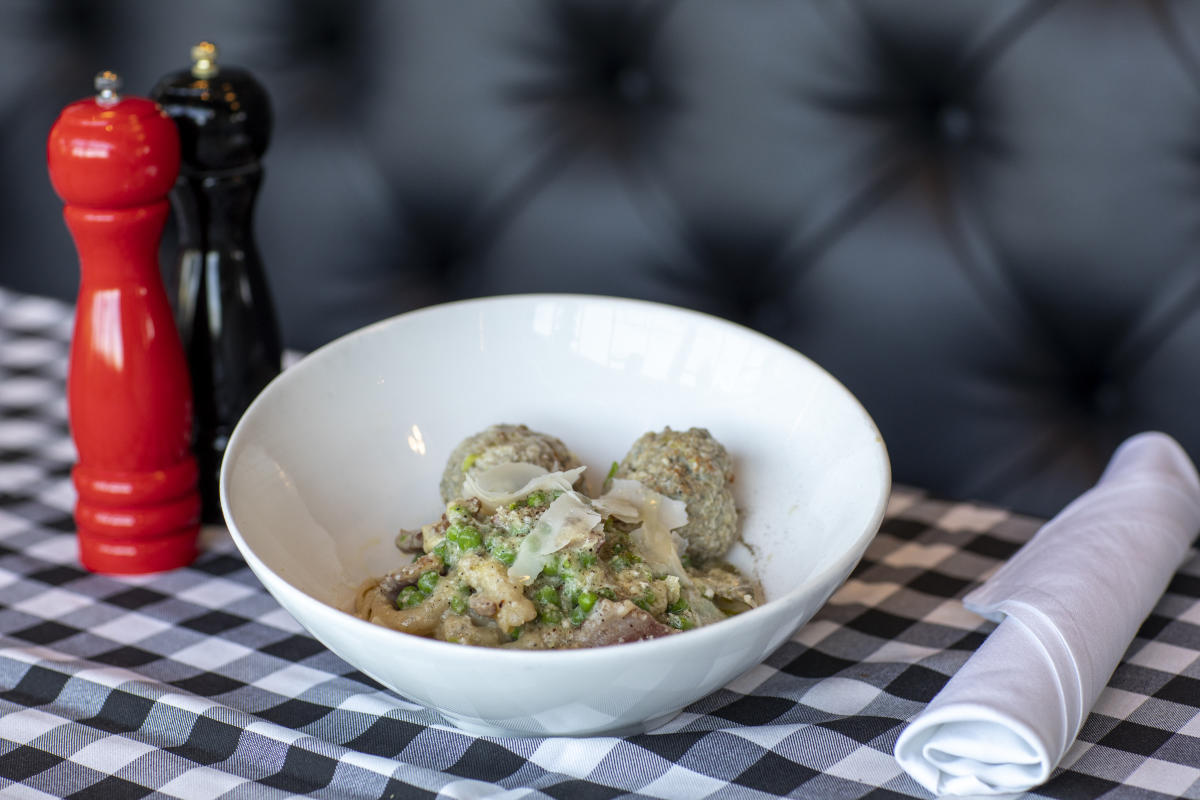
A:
631	501
623	500
506	483
656	547
567	521
655	541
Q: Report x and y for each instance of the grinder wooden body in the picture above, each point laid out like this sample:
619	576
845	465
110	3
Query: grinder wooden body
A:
223	304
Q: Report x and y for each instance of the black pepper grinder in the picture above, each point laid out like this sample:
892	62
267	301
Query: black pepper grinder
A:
223	307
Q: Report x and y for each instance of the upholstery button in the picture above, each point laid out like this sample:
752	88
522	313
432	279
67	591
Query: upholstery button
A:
633	85
954	122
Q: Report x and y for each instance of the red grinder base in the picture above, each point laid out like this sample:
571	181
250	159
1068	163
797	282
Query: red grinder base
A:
118	556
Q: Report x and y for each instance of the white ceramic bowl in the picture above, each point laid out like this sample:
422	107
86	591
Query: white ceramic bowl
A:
347	446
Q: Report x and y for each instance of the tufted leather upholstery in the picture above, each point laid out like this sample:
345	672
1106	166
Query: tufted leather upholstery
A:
981	215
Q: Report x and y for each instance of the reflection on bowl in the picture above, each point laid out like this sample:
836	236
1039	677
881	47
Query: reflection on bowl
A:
347	447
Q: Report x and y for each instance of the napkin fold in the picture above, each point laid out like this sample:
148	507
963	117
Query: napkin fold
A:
1069	603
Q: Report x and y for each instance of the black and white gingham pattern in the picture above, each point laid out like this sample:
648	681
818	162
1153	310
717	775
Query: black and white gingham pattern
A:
195	684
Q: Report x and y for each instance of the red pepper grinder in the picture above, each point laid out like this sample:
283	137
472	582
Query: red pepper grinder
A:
112	160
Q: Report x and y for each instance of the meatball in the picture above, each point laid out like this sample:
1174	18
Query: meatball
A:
693	467
503	444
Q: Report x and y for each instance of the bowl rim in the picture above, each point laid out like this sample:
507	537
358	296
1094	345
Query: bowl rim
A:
436	648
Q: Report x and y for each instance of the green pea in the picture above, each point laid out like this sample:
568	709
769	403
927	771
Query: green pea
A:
427	582
587	559
546	596
447	551
458	603
586	601
516	632
646	601
679	606
535	499
465	536
408	597
501	551
680	622
551	569
578	615
550	616
606	593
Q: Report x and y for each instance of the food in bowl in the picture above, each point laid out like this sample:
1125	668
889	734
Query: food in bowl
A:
349	444
523	559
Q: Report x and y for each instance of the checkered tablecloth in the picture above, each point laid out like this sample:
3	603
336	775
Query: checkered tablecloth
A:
195	684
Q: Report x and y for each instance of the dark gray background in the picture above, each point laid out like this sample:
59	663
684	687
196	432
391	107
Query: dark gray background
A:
981	216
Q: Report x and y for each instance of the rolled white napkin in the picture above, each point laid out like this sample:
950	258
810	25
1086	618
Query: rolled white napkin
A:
1069	603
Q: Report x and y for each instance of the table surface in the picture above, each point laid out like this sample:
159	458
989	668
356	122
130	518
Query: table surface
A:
195	684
